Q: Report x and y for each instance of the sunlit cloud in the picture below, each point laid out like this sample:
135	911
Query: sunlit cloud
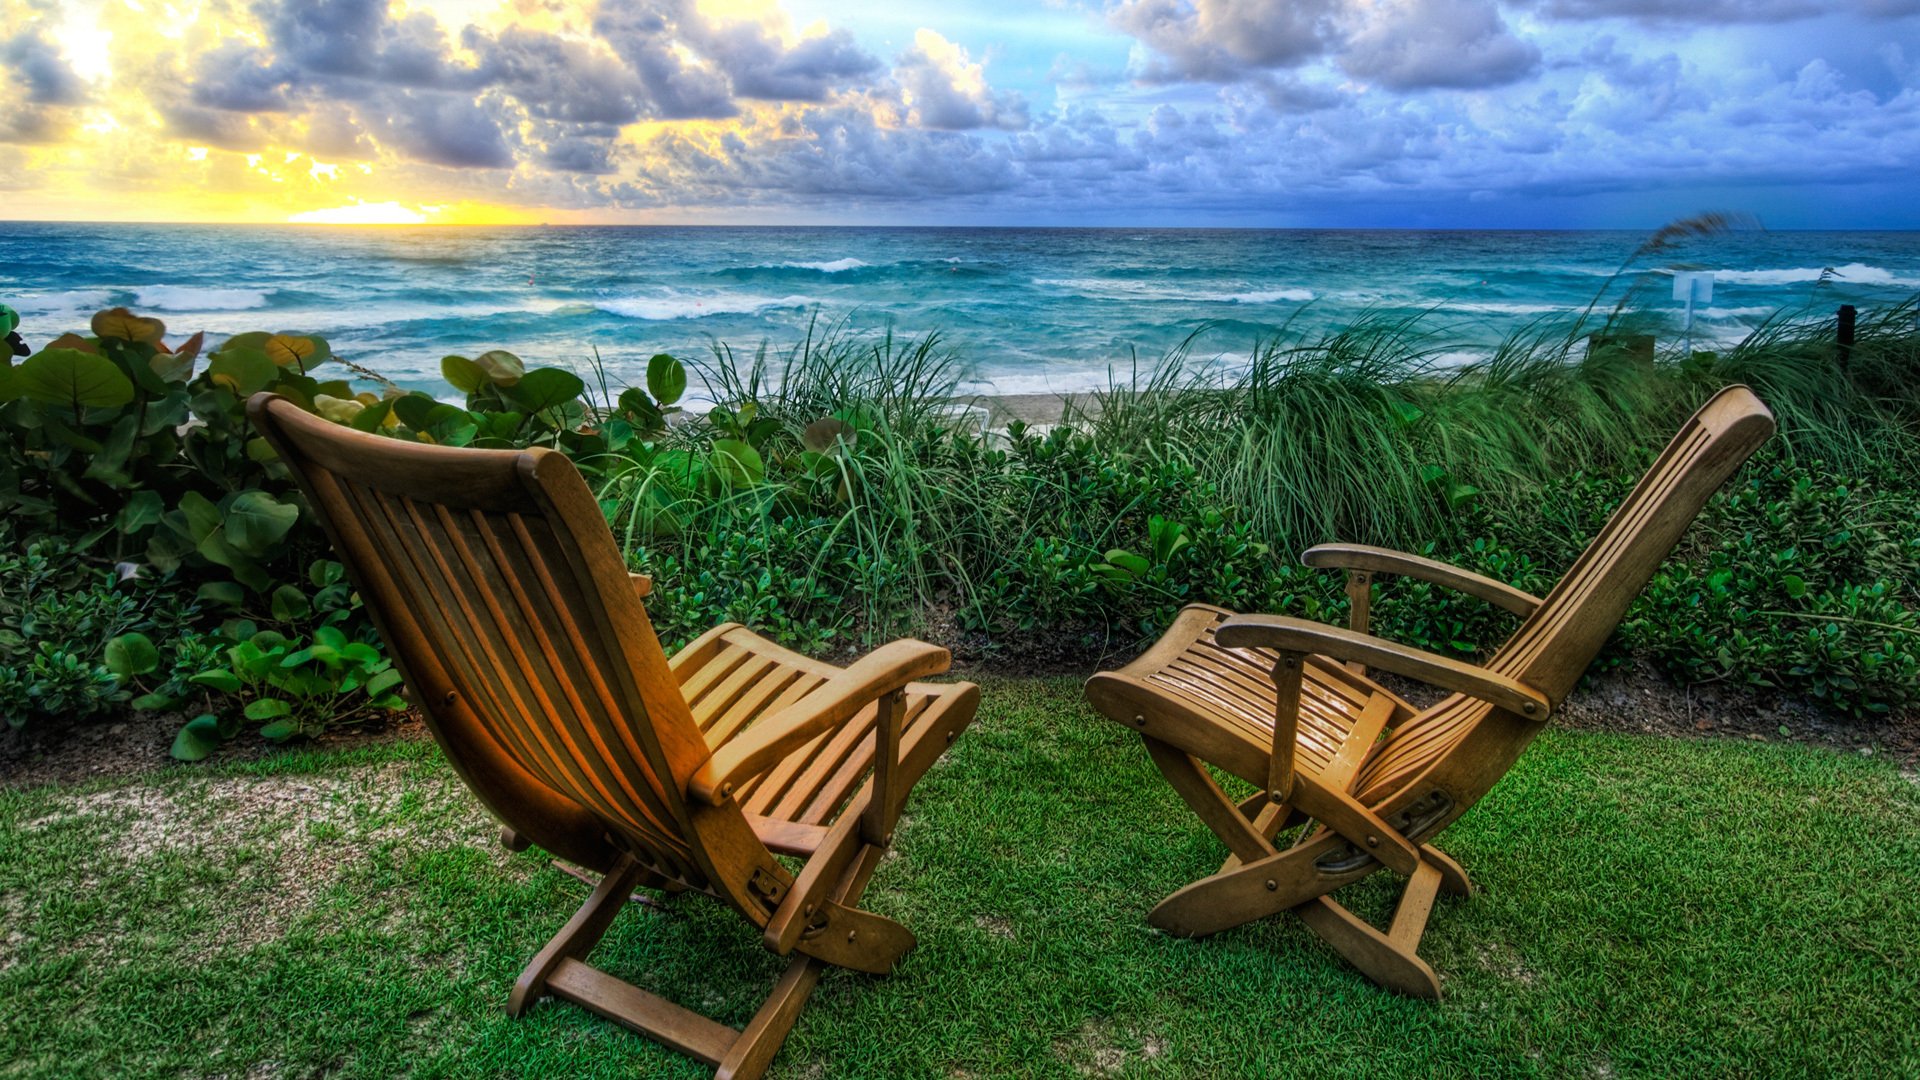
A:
1489	112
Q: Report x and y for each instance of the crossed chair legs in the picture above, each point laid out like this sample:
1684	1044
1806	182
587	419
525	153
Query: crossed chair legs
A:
1259	879
560	968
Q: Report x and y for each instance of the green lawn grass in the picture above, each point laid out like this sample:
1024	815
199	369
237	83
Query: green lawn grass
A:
1646	907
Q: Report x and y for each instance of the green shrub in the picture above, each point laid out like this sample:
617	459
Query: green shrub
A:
834	497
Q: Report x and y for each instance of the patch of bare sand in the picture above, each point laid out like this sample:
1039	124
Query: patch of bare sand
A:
270	845
1098	1050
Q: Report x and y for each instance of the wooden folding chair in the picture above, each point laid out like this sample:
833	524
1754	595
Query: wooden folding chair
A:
1285	704
497	586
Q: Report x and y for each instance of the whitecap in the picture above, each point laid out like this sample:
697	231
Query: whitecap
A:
1106	289
1849	274
1260	296
834	267
61	304
1492	307
197	298
665	308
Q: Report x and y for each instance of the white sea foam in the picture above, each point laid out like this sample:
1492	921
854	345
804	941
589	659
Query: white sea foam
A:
664	308
63	305
1493	307
1260	296
1850	273
834	267
375	315
1105	288
196	298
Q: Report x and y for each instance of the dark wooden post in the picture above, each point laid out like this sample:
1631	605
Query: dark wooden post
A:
1845	336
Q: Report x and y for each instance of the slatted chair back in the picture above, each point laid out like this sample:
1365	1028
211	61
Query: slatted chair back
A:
1556	644
497	585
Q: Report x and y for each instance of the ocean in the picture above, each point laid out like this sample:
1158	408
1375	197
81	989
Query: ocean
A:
1027	310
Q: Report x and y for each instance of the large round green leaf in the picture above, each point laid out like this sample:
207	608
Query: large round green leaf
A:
501	366
545	388
256	521
245	371
666	379
125	325
198	738
299	351
738	463
72	379
463	374
132	654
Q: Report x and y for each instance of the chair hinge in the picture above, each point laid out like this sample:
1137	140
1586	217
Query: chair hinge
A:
816	922
770	889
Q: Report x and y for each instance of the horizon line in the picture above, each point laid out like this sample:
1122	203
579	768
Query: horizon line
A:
394	226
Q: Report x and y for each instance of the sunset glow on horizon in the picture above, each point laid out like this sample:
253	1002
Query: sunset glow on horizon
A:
1475	113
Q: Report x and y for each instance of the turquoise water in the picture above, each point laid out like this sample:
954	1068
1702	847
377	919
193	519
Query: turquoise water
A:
1027	309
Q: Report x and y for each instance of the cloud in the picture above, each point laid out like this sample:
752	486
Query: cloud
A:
239	76
1721	12
39	92
1223	40
360	39
1421	44
558	78
447	129
760	67
28	58
946	91
1262	111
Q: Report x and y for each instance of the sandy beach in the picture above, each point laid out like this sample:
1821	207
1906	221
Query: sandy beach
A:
1002	409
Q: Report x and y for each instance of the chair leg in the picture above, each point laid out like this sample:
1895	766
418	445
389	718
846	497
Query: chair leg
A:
579	936
763	1036
1390	959
1187	776
862	940
1378	956
1453	879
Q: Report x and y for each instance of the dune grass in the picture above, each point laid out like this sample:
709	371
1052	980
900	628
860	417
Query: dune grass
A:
1647	907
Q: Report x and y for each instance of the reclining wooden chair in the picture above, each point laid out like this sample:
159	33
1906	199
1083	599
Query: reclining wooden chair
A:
1285	704
495	581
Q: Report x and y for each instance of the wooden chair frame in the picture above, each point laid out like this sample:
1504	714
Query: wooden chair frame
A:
1285	704
496	584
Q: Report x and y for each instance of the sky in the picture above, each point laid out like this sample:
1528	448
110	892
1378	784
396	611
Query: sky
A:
1259	113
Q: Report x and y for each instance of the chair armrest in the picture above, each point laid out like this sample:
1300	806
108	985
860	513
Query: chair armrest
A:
1300	636
1379	560
881	672
642	585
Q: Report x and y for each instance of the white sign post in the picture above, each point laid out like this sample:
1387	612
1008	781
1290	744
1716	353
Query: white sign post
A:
1693	286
